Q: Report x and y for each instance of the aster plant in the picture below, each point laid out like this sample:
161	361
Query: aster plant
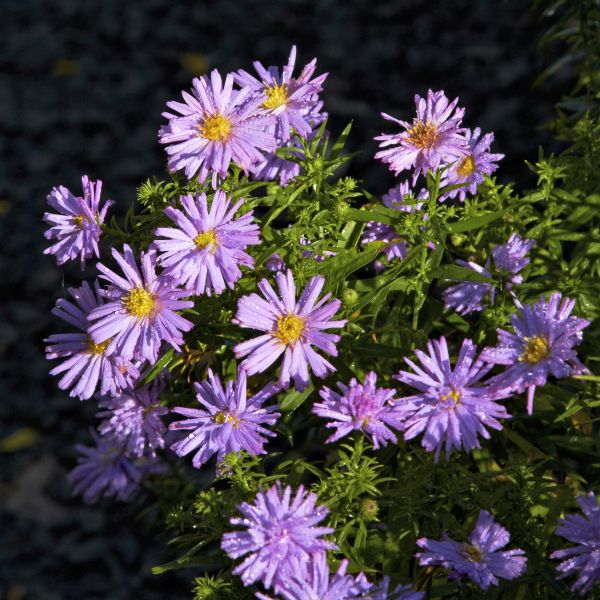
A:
248	348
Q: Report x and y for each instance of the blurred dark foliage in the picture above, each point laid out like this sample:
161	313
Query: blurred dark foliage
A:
82	86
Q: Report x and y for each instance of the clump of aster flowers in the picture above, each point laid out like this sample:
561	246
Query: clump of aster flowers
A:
86	364
214	125
281	535
453	406
542	344
204	252
292	327
140	312
77	224
433	139
480	558
361	407
229	421
509	260
583	559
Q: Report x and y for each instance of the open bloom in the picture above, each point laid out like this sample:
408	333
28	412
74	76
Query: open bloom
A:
140	312
281	535
451	410
134	418
434	137
471	168
229	421
401	592
215	125
86	363
584	558
291	328
312	581
204	252
106	470
542	345
361	407
479	559
77	226
509	260
289	99
380	232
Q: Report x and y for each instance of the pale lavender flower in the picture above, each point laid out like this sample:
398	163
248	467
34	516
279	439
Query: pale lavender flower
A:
451	409
215	125
479	559
86	363
542	345
204	252
396	197
509	260
291	328
361	407
584	558
229	421
275	263
310	254
471	168
290	100
380	232
105	470
140	312
77	226
433	139
312	581
281	534
134	418
401	592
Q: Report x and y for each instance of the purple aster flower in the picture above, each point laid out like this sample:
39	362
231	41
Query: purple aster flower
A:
451	409
86	363
312	581
77	227
396	197
542	344
509	260
275	263
204	252
478	559
105	470
214	126
291	328
290	100
471	168
401	592
380	232
310	254
140	312
229	422
434	138
281	534
584	558
133	418
362	407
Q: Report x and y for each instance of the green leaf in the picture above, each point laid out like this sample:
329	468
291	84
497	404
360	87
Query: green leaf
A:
157	368
476	222
459	273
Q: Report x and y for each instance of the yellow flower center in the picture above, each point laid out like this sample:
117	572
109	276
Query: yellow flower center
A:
466	166
78	220
537	349
289	328
222	418
473	552
276	96
453	394
202	240
93	348
215	128
138	302
423	135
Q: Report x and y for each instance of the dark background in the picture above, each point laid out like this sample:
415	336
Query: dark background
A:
82	86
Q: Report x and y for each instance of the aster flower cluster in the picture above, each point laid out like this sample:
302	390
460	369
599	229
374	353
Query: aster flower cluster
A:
199	292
